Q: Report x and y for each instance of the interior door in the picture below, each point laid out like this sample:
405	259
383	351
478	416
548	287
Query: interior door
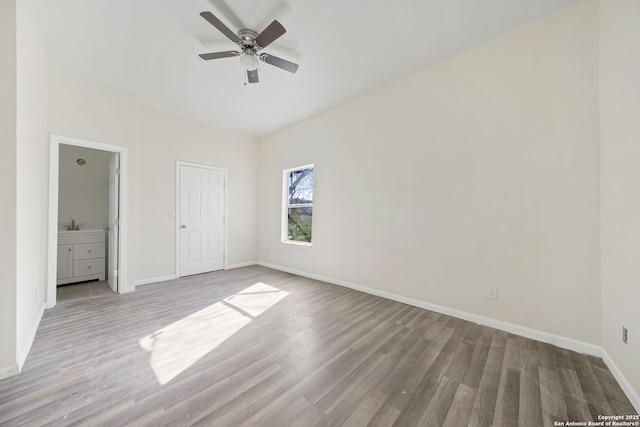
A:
201	220
114	215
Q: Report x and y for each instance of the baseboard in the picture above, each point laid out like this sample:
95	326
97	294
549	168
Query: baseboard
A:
32	336
173	276
240	265
154	280
8	371
559	341
631	393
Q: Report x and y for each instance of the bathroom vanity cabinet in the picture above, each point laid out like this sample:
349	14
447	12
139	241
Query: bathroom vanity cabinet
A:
81	256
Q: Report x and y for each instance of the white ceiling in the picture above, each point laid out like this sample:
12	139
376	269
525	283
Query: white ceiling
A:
344	47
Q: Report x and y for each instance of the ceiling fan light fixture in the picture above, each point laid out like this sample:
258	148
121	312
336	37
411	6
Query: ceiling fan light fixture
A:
249	62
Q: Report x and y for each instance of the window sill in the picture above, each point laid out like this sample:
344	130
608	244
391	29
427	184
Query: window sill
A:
294	243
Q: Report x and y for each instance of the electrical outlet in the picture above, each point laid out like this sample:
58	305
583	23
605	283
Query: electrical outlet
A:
36	296
625	333
492	293
156	261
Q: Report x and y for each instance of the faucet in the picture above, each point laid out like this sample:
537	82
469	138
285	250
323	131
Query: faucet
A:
73	226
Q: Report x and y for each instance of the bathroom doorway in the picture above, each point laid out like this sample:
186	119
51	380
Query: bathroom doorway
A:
86	218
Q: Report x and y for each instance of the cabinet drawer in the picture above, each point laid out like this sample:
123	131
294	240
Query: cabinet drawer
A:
88	251
88	267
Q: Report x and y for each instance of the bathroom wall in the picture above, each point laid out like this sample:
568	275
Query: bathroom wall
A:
83	189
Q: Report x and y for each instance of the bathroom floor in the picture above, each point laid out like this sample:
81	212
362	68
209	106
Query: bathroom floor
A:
81	291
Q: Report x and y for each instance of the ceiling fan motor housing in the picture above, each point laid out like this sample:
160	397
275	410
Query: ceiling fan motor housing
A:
248	38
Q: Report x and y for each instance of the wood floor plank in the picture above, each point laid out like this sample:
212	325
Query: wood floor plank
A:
322	355
385	417
507	412
593	393
435	412
461	407
366	411
553	404
530	404
473	373
485	403
575	401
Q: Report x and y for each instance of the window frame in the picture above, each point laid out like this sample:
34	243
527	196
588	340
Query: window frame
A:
284	238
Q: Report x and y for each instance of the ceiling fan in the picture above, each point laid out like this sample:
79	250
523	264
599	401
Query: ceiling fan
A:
250	43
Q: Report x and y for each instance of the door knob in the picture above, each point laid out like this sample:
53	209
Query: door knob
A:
183	226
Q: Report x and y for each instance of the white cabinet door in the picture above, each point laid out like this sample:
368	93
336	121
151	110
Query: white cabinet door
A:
65	261
202	211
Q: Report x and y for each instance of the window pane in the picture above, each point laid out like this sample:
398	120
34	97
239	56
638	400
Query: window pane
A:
301	186
299	224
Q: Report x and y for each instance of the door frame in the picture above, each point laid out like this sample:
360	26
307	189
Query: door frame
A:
113	226
225	173
54	158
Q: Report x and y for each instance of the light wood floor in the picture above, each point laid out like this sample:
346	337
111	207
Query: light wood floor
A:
255	346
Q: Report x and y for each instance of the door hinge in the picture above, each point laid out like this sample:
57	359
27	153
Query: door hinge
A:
117	171
116	222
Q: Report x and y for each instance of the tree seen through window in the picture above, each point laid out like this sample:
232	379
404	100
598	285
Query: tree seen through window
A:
300	204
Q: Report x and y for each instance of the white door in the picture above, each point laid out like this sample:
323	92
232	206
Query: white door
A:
201	221
114	215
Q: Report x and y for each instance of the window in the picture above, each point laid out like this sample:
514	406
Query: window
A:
298	205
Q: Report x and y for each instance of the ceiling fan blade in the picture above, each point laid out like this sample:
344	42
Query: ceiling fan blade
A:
252	76
220	26
218	55
270	34
279	62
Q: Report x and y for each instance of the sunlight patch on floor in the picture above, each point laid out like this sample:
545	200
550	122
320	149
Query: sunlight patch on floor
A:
179	345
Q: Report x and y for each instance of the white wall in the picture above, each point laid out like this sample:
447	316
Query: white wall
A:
23	169
162	138
8	186
32	178
482	170
620	183
83	190
156	139
87	110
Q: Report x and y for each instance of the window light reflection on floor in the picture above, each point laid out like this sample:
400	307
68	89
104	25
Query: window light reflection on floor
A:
179	345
